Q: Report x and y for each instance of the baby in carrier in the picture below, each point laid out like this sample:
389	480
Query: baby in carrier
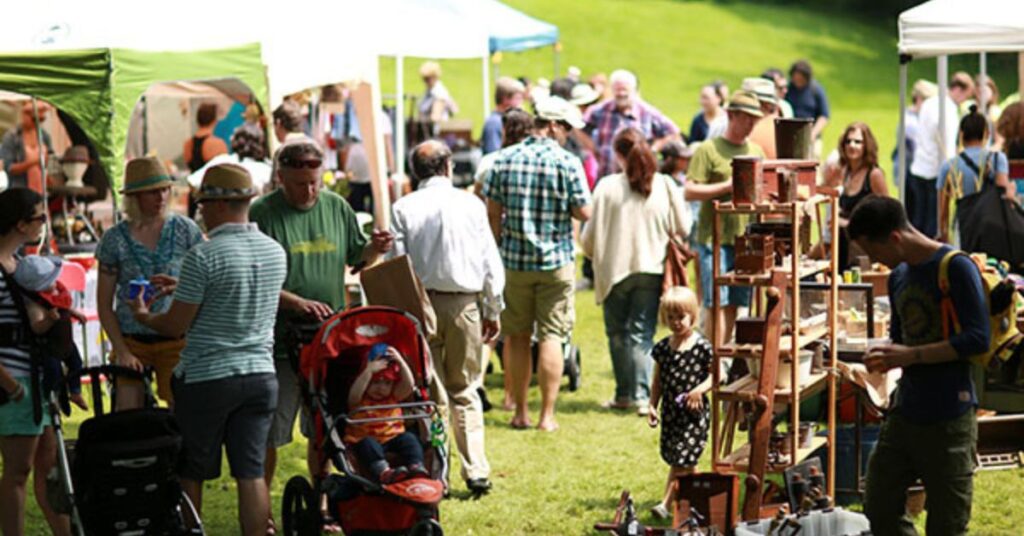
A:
37	278
384	380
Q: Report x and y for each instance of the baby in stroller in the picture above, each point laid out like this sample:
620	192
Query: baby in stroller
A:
385	380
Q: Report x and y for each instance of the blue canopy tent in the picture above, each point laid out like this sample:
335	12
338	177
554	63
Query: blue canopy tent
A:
458	29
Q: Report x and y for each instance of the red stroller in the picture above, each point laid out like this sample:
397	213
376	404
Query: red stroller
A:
328	366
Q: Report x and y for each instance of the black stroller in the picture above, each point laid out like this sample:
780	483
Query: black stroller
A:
121	476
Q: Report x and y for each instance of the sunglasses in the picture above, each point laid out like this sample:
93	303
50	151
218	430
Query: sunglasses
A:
853	142
314	163
40	218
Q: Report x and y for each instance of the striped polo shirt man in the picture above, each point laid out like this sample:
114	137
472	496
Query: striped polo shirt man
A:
237	277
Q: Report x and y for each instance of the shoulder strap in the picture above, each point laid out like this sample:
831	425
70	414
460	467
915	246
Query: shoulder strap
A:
950	321
18	297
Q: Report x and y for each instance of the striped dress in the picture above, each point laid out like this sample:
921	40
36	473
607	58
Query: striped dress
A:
236	279
15	360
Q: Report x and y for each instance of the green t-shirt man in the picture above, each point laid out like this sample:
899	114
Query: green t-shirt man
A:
712	163
319	243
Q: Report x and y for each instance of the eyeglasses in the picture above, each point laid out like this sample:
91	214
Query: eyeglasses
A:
853	142
314	163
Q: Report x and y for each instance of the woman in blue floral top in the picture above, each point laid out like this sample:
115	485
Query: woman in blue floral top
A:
149	244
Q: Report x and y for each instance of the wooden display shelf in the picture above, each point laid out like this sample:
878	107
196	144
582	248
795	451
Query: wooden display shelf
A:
755	208
754	351
760	279
737	460
745	389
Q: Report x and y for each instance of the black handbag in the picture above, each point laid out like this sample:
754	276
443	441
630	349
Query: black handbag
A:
991	224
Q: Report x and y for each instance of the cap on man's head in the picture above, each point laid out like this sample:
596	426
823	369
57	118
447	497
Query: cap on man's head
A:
763	88
226	182
746	102
584	94
558	109
430	69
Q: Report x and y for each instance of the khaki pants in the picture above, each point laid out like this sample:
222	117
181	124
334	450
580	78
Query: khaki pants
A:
457	351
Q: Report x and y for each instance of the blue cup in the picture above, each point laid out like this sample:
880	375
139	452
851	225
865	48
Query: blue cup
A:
141	286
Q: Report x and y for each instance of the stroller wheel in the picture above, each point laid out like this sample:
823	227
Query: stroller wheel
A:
300	508
427	527
572	366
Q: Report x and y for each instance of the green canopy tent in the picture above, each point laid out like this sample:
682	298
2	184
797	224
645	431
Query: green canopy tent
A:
99	87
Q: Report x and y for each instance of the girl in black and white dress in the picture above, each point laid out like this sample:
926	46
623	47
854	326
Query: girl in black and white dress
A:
682	378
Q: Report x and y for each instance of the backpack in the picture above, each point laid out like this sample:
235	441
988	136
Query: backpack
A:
1003	303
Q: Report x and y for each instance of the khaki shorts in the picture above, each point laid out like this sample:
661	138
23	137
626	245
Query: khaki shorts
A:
540	303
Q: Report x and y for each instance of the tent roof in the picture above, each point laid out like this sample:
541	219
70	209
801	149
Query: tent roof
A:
510	29
942	27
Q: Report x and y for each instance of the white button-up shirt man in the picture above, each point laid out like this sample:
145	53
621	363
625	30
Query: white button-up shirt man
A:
445	232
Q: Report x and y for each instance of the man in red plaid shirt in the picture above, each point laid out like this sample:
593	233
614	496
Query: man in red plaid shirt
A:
626	109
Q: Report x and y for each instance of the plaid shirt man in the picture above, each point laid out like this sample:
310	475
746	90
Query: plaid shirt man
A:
538	183
605	120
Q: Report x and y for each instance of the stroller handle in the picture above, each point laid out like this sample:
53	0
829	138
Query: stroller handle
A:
405	405
113	372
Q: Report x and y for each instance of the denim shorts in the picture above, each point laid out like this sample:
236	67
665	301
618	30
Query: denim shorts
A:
17	419
234	412
738	296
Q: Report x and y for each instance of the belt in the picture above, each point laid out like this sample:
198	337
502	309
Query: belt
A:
448	293
151	339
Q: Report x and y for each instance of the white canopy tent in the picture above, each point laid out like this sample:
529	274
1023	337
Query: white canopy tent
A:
940	28
450	29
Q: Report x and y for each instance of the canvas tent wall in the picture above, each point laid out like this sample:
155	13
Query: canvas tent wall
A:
940	28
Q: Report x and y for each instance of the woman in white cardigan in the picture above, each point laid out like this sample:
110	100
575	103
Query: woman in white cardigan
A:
635	213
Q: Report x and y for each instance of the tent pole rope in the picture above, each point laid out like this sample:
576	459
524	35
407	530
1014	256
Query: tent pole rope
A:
902	141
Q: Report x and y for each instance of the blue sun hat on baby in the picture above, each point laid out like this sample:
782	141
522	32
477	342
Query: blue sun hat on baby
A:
37	273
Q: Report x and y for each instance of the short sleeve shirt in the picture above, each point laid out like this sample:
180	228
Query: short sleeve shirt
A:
809	102
117	250
538	183
605	121
319	243
236	279
711	164
490	139
968	177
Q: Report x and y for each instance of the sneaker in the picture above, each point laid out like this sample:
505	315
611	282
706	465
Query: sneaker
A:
417	470
642	408
478	486
392	475
659	511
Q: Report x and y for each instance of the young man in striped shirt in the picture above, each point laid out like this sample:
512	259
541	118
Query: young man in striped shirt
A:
225	304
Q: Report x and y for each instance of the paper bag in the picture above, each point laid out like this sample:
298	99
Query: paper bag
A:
393	283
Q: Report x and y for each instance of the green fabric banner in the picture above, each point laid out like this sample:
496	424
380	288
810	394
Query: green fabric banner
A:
99	88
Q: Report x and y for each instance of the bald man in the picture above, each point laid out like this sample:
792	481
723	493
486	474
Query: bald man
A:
445	232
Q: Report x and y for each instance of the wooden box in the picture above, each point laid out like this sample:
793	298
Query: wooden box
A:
749	330
806	172
747	180
755	253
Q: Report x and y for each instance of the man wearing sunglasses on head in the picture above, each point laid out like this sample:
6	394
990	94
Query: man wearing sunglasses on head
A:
320	235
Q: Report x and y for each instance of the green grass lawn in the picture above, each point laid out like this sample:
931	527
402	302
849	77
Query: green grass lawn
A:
562	483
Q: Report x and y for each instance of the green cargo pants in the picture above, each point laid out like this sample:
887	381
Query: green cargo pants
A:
941	455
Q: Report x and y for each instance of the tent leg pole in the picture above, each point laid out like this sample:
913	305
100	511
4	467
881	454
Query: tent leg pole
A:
485	70
43	158
983	76
901	147
400	123
943	77
558	62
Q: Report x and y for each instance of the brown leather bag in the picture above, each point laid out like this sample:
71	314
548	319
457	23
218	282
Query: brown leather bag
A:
677	253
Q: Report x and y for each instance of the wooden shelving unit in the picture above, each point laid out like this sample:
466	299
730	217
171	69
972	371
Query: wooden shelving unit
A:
746	389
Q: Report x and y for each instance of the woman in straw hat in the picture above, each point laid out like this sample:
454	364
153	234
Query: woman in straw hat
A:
149	244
